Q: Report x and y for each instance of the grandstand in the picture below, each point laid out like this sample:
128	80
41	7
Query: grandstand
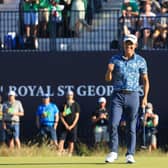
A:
104	35
104	28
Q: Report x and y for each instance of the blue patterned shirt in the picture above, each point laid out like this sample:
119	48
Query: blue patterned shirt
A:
126	73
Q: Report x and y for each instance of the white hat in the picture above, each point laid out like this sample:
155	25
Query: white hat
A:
102	100
11	93
70	92
131	38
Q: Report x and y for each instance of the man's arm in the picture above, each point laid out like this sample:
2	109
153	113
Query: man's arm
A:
56	120
108	75
145	80
63	121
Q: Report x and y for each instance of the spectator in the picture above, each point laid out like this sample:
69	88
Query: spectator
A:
155	5
134	8
69	121
77	19
129	22
44	15
55	20
31	21
2	131
100	122
47	118
160	33
12	111
151	122
147	20
66	17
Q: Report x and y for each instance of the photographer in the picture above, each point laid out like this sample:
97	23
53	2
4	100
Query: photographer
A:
151	122
100	123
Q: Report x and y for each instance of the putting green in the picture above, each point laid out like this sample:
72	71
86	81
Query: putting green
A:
81	162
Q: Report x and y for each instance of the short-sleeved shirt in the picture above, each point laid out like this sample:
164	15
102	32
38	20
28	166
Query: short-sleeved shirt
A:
97	113
46	114
69	112
126	73
9	109
46	3
27	6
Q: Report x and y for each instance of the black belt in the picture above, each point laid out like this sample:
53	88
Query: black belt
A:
124	91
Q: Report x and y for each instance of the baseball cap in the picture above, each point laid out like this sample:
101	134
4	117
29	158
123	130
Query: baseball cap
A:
70	92
11	93
131	38
46	95
102	100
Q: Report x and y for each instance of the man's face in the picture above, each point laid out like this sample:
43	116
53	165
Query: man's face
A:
102	104
129	47
11	98
70	97
46	100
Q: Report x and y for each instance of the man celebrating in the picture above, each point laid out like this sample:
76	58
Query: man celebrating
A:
124	70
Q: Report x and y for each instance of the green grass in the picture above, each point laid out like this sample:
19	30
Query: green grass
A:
82	162
45	157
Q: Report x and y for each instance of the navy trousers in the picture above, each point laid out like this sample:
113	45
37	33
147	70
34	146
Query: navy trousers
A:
127	104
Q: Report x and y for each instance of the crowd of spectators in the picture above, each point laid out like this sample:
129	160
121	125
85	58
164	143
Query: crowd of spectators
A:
57	126
57	18
148	20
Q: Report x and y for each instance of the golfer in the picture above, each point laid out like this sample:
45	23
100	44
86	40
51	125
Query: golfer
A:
125	70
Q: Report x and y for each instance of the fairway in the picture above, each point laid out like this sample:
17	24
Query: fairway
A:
81	162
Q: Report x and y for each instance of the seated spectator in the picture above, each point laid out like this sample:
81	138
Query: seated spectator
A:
155	5
129	22
47	118
133	5
69	121
31	20
161	30
100	122
147	20
151	122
